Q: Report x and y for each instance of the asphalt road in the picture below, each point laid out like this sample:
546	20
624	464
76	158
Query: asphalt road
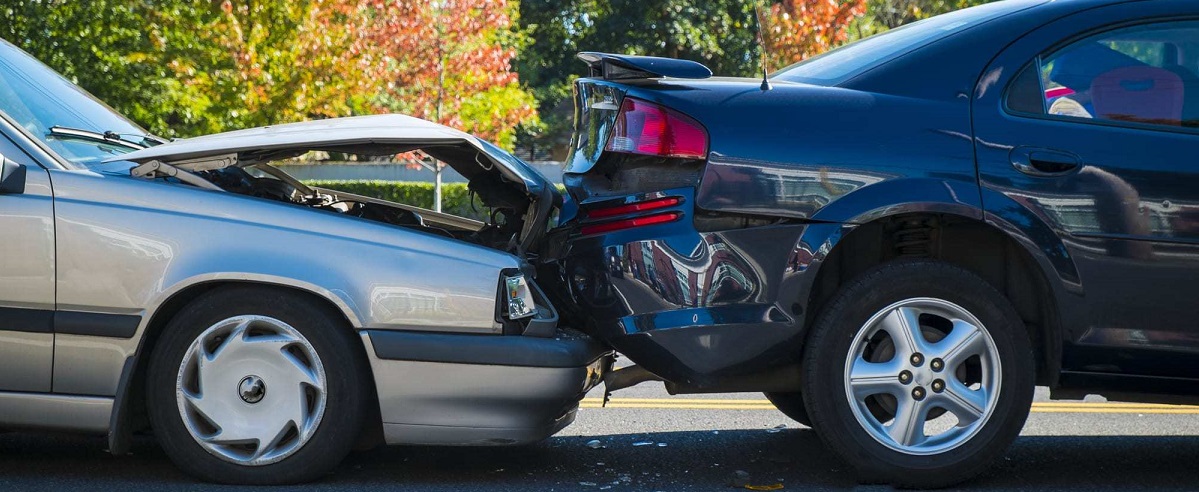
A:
696	443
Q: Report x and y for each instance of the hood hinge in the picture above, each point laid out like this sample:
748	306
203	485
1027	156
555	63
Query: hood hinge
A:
159	169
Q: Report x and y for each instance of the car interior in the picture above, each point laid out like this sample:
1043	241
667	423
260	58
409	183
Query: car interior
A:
1142	75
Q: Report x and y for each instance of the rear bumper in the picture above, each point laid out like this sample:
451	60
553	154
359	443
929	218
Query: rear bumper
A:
699	309
449	389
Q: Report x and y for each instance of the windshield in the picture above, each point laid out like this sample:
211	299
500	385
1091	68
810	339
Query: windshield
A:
843	63
36	98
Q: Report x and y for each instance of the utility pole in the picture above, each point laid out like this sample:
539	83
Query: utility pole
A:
437	166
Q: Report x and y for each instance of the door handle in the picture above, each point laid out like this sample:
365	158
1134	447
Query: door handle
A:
1044	162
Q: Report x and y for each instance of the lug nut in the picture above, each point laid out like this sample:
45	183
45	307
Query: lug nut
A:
918	393
937	364
905	377
917	359
938	386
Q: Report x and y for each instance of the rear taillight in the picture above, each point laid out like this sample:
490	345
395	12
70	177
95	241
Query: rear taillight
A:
649	129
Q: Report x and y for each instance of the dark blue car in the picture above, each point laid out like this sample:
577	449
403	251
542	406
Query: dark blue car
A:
896	241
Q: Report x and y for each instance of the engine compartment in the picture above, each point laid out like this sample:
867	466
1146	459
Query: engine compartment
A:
502	229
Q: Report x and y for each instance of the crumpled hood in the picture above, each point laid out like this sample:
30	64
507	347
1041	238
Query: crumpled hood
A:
391	132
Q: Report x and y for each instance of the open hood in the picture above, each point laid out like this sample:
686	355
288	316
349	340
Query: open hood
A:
379	134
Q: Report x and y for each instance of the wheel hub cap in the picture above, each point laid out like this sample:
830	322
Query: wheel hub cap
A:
252	389
251	426
923	376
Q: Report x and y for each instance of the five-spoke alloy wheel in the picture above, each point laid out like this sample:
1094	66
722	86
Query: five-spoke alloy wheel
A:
919	390
918	373
253	385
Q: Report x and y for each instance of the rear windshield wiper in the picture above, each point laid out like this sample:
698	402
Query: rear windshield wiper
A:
108	137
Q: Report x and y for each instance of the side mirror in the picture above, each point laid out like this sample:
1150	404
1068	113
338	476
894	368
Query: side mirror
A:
12	177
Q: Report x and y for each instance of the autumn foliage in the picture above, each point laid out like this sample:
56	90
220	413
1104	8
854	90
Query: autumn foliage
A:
448	61
797	29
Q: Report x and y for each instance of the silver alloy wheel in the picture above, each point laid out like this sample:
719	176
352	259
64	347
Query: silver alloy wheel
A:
251	390
921	363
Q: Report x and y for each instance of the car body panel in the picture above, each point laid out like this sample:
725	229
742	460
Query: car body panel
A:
1121	218
482	402
102	257
350	132
27	271
160	237
894	139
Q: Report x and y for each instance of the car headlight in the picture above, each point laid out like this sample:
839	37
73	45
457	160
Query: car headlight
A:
519	297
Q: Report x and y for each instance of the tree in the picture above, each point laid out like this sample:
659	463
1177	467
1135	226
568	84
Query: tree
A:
450	61
103	46
251	63
797	29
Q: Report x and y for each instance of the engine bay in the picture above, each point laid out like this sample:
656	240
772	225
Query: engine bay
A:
501	231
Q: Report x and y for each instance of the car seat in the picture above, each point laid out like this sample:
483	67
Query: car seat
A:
1139	93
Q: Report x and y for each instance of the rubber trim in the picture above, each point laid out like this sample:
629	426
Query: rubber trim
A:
568	349
96	324
26	320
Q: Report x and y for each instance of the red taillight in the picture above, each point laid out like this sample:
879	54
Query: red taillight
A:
600	213
650	129
617	225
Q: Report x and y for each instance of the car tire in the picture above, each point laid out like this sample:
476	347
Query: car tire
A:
244	365
976	403
792	405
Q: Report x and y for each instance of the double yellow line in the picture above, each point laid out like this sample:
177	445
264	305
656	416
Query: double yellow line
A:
761	404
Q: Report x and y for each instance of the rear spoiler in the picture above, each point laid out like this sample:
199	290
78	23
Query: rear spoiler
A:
618	67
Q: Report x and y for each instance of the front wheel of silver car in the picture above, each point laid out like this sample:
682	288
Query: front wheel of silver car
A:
918	373
253	385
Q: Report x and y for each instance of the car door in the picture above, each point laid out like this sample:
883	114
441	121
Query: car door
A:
26	277
1090	123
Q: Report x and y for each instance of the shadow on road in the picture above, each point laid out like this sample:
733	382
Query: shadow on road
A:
688	461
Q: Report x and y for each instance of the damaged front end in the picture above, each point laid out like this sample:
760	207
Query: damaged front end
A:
520	201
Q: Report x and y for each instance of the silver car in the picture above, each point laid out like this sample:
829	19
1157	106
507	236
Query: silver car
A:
260	327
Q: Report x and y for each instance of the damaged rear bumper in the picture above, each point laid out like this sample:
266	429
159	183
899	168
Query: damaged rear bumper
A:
452	389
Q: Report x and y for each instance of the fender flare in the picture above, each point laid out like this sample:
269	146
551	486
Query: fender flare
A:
119	433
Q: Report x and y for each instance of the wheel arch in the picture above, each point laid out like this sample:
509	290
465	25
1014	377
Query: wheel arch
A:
996	251
128	413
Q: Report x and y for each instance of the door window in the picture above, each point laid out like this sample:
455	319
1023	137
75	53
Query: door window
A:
1142	75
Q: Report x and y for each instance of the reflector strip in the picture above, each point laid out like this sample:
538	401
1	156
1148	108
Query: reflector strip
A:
629	208
588	230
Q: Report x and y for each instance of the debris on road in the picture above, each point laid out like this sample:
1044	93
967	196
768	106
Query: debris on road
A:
776	429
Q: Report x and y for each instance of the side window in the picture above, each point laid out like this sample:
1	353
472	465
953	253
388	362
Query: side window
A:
1144	75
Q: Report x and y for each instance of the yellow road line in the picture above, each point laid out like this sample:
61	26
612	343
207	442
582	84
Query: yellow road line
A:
761	404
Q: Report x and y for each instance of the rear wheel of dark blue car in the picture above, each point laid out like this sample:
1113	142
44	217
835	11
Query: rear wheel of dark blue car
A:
918	373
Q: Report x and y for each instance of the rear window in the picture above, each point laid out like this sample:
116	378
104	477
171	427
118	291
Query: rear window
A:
843	63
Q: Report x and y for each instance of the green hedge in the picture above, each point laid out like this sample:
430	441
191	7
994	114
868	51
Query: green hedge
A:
454	197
